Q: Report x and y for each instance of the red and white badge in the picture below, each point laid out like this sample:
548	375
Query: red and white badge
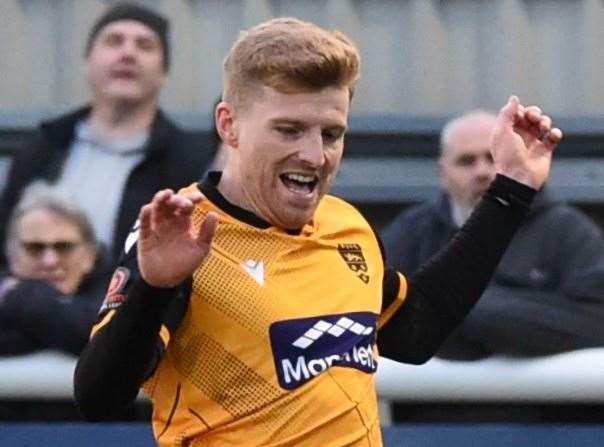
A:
115	296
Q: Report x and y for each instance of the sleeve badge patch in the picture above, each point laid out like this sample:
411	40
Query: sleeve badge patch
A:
115	293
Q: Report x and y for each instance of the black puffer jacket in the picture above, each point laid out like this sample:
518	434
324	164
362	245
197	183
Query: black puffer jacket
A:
547	294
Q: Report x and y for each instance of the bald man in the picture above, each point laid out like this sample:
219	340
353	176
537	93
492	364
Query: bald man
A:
546	295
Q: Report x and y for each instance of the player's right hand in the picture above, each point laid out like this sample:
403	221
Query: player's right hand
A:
169	249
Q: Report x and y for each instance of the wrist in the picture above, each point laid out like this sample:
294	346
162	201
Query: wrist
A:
521	176
159	294
509	192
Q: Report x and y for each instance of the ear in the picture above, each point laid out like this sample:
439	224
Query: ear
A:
226	124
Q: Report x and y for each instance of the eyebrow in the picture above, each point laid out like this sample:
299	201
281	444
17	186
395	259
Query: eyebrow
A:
120	33
290	121
301	123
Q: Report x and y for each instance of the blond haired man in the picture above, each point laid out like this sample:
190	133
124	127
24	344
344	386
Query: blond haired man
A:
270	297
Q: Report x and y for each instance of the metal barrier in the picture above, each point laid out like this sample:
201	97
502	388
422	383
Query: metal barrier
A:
570	377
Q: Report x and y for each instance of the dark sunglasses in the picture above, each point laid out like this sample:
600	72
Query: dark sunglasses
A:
36	248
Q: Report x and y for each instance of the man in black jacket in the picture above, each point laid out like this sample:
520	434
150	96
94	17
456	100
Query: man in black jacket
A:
547	294
115	153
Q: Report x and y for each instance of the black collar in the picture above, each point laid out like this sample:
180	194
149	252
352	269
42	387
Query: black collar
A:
209	187
62	129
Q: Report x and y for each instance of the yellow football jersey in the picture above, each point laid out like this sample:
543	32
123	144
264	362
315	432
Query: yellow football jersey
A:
277	345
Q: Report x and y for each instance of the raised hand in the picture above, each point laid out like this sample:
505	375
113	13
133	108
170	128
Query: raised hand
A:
169	249
523	143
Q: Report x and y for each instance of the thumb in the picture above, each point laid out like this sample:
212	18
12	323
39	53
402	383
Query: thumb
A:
207	229
508	112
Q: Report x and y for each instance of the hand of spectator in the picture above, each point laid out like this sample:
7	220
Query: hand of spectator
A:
523	142
169	249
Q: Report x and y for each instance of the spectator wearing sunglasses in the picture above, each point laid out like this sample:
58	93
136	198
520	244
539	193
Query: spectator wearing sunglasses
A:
49	298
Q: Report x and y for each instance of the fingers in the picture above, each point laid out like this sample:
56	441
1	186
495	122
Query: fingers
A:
532	120
553	138
207	229
510	111
166	205
144	218
540	126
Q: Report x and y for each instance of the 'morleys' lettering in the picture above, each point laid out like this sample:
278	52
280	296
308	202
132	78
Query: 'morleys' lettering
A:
301	370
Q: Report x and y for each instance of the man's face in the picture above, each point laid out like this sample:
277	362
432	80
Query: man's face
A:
50	248
287	152
125	63
466	164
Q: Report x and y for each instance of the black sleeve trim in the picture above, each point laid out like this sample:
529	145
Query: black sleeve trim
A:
390	288
444	290
390	281
124	352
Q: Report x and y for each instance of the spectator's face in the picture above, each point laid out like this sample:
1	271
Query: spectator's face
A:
286	150
125	63
50	248
466	165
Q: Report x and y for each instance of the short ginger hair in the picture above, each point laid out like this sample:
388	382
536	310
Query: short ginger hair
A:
290	56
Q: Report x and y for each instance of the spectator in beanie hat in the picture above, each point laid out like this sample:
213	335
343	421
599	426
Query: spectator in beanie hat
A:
122	131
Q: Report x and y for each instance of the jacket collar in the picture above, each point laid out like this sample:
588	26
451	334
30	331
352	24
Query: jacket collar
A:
442	206
61	130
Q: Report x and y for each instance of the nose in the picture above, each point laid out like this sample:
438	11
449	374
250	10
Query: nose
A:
128	48
49	258
311	151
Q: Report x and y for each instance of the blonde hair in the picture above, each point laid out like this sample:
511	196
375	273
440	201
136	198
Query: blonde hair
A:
288	55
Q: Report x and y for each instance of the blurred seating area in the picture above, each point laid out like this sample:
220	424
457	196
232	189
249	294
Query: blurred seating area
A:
390	161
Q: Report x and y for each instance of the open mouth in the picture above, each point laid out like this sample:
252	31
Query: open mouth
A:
300	183
124	74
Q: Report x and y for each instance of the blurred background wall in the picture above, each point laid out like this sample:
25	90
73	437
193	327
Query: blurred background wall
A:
422	58
423	62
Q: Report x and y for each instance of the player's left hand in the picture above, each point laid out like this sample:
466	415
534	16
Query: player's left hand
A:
523	143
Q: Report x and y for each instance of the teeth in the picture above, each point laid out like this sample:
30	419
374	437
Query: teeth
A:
301	178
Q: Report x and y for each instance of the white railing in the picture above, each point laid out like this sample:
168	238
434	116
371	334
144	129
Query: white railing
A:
572	377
